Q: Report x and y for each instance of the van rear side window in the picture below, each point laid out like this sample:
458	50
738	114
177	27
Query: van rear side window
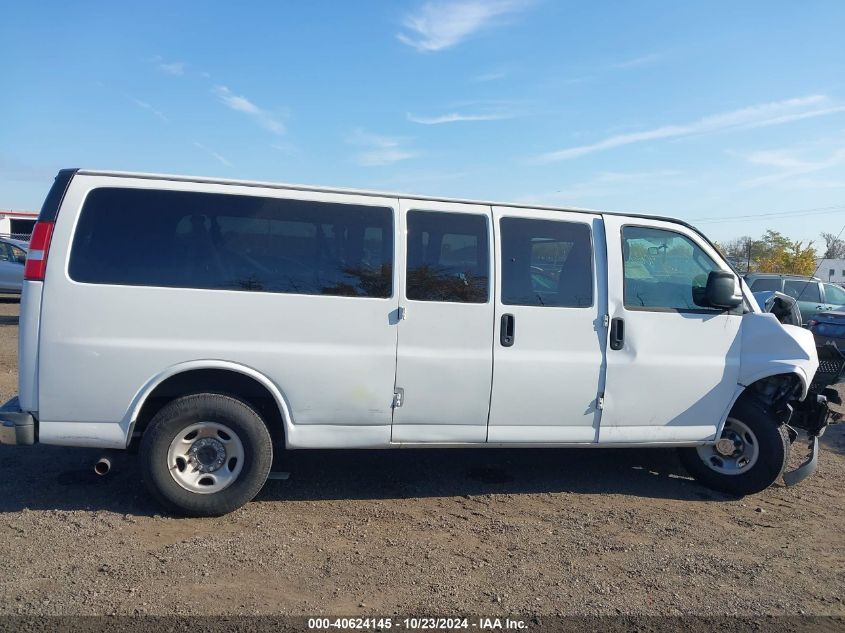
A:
761	285
180	239
803	290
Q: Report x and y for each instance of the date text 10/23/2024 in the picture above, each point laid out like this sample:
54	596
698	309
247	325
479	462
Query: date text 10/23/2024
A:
417	623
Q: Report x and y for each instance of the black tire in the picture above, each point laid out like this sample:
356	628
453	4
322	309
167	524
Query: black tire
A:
773	453
180	414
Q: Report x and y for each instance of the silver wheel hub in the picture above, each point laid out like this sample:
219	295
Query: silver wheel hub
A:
725	447
735	452
205	457
207	454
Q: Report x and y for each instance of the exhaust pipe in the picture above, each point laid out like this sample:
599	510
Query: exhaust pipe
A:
103	466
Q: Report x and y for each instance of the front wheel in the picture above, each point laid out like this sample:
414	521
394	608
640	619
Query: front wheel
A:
749	455
206	454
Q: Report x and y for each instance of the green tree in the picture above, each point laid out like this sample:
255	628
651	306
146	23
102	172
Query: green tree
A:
782	255
834	247
772	253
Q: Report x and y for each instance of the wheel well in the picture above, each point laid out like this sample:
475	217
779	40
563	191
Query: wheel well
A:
774	391
231	383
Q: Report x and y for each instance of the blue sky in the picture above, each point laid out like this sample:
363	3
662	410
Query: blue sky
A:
708	111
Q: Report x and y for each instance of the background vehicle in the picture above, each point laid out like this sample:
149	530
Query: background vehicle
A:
829	328
371	320
813	295
12	258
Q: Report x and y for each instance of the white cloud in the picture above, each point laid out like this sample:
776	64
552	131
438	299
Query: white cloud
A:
236	102
240	103
605	184
636	62
791	169
476	110
378	150
439	25
455	117
175	68
774	113
490	76
214	154
170	68
146	106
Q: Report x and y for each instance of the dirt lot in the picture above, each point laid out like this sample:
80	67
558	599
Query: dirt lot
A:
426	532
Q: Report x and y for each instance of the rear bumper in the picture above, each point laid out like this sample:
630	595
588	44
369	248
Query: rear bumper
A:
17	428
824	340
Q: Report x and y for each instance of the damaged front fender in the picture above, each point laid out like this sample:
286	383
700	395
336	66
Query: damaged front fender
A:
770	348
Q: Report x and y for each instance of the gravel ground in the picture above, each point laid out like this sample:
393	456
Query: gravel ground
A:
427	532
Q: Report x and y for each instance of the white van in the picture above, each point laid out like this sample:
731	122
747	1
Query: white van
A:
210	323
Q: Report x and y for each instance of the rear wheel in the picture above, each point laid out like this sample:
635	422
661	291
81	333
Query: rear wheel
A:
749	455
206	454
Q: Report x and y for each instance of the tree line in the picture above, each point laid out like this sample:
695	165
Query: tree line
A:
776	253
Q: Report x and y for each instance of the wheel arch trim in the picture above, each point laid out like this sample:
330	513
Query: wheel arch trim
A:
154	381
742	388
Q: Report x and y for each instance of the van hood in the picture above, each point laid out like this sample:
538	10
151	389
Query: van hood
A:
770	348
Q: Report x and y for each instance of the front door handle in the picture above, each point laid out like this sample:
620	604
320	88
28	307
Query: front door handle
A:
506	335
617	333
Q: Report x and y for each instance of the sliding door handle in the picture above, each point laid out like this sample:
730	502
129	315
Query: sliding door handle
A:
507	330
617	333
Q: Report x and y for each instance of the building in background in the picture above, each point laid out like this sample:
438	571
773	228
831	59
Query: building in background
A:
17	224
831	270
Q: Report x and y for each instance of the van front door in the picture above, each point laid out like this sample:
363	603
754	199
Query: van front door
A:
550	339
672	364
444	357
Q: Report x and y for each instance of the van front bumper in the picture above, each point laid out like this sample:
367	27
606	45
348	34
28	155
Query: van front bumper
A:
17	427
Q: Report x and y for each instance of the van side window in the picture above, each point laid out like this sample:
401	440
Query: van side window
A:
448	257
803	290
180	239
546	263
834	295
664	270
764	284
6	254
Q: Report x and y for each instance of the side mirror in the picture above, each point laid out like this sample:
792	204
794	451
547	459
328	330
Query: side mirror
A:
721	290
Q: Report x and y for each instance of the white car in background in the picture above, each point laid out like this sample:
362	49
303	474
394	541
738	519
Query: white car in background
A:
12	258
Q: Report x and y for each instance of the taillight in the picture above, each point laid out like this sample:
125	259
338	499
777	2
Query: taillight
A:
39	246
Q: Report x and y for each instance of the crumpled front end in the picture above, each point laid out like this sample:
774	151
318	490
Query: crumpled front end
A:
770	348
772	353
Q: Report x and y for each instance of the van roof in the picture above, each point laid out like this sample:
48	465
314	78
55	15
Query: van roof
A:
782	276
381	194
360	192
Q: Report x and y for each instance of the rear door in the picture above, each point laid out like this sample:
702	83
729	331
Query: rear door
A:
444	357
672	366
550	339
